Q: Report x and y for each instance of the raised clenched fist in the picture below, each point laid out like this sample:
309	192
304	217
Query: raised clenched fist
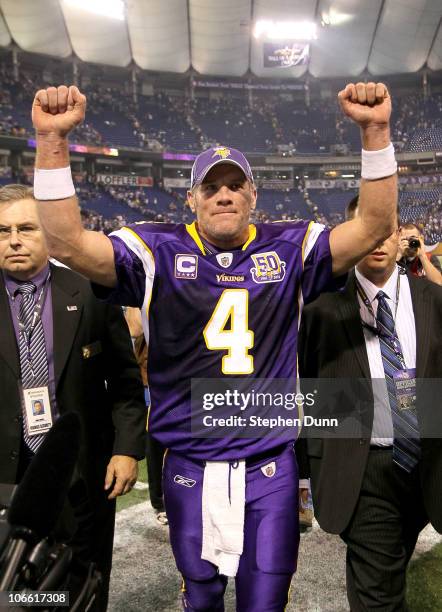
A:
58	110
367	104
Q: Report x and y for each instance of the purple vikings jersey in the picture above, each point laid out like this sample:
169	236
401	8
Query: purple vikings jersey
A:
205	315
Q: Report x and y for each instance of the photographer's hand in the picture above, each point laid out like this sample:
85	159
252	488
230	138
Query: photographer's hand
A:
420	252
431	272
402	248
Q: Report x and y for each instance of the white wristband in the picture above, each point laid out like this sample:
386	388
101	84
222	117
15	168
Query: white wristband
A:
53	184
378	164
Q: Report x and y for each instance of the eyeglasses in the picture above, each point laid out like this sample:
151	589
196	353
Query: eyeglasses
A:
24	231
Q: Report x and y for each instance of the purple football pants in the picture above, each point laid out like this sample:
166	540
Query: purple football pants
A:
271	534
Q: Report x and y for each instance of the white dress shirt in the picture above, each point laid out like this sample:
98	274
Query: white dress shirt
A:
382	432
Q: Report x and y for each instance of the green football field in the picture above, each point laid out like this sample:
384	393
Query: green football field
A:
424	591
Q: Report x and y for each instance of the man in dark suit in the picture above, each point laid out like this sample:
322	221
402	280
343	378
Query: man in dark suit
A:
380	488
77	352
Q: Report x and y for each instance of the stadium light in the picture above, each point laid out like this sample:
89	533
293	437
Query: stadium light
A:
105	8
335	18
285	30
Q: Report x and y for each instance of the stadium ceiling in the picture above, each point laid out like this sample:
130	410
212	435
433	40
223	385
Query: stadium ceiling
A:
215	37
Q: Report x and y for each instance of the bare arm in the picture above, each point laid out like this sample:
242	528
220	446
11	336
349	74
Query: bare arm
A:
369	105
431	272
55	112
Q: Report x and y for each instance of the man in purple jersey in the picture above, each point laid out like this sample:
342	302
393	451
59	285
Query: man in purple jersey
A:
221	299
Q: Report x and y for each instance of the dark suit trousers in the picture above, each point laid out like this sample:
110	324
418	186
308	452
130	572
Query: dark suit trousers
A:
93	538
87	525
382	534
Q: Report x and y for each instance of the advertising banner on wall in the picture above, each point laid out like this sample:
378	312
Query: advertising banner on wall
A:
285	54
411	181
128	180
176	183
281	184
333	184
247	86
421	180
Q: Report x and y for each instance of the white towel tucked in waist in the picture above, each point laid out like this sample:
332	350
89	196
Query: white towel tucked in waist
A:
224	491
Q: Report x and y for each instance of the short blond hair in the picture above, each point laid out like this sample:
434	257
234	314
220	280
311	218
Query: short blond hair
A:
15	192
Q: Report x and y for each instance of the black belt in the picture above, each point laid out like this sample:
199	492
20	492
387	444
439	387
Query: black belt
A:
376	447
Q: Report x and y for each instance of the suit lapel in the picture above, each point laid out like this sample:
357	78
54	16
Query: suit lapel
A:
67	310
349	308
8	343
422	319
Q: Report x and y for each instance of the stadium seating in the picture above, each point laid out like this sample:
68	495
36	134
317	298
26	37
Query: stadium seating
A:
259	124
429	139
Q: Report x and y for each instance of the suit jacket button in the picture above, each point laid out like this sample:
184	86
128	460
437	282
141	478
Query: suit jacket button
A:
362	441
14	454
17	419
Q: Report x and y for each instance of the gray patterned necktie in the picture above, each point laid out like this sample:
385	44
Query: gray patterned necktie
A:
406	446
33	360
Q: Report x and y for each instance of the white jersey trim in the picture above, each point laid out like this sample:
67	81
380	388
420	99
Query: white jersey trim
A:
314	232
136	244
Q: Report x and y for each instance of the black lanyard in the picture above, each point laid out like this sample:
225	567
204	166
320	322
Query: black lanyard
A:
375	329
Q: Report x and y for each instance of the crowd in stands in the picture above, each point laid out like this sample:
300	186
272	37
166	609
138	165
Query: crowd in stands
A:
263	123
432	222
10	122
108	207
98	204
417	122
424	207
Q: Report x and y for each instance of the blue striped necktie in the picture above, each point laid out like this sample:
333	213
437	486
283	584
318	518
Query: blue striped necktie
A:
34	371
406	446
